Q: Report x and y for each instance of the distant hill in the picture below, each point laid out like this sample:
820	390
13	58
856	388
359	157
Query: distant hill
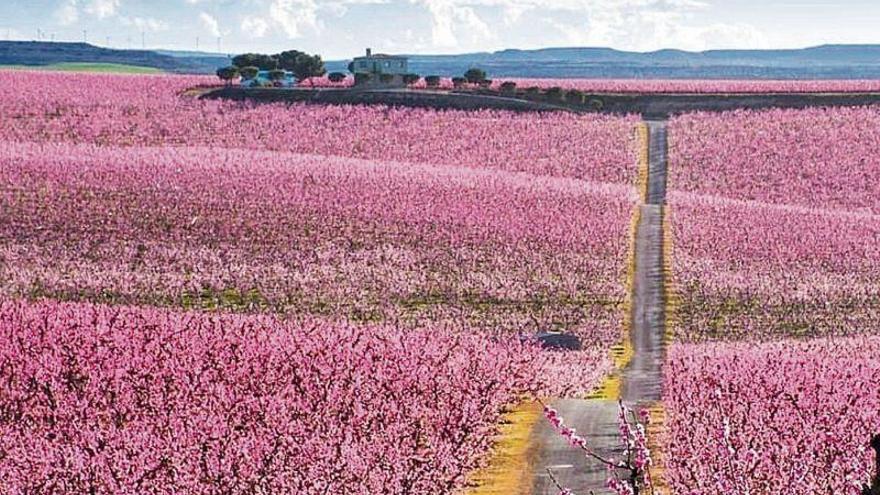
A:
38	53
822	62
203	62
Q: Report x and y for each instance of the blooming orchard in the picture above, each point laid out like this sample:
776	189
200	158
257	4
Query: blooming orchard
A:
781	417
148	111
779	231
658	85
819	158
697	86
760	271
119	400
306	234
394	264
775	233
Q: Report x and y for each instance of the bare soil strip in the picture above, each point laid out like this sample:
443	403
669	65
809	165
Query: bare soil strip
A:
659	105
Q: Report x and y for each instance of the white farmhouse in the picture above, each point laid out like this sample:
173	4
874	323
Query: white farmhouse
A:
380	63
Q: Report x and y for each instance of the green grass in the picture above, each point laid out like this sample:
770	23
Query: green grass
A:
89	67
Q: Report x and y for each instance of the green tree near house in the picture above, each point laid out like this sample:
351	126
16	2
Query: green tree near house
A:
258	60
362	78
287	59
305	66
227	74
301	64
475	75
249	72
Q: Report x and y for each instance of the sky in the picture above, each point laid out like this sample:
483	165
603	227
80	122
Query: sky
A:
340	29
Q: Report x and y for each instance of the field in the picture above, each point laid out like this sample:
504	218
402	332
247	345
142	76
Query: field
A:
775	231
206	296
351	291
660	86
787	416
88	67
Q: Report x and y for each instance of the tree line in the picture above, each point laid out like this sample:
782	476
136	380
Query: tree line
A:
247	65
304	66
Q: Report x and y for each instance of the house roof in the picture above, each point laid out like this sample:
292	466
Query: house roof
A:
381	55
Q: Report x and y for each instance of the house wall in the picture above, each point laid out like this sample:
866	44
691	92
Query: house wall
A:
381	65
376	82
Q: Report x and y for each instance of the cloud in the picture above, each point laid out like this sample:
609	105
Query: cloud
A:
147	24
298	18
102	8
513	13
645	25
339	8
454	23
210	23
255	27
67	13
294	17
626	24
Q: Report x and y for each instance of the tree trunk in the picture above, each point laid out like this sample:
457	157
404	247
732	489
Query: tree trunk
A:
874	488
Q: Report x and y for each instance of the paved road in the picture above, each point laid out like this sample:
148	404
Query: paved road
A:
641	380
595	419
657	162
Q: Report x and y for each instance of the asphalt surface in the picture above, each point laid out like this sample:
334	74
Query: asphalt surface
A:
595	419
642	379
658	150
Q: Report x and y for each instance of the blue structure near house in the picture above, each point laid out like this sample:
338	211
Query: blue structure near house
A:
262	80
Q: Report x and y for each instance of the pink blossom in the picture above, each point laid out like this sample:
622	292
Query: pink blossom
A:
789	416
